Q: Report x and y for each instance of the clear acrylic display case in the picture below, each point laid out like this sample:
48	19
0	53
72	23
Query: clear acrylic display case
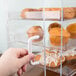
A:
44	13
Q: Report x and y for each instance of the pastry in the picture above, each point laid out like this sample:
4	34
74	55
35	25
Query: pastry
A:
72	30
75	11
52	59
68	13
53	25
52	13
24	11
31	13
55	36
58	14
35	30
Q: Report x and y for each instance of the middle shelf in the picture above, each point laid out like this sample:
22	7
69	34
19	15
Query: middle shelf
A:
18	32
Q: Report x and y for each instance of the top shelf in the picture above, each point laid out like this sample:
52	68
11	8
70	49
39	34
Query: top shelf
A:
47	14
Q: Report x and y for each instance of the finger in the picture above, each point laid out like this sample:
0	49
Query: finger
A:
24	60
21	52
19	73
24	68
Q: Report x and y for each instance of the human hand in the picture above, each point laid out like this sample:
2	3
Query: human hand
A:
14	60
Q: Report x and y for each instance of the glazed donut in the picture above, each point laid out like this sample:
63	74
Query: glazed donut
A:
52	58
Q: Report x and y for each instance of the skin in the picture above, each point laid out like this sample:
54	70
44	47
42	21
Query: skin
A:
14	60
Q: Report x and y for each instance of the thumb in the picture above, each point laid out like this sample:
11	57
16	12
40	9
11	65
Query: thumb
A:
24	60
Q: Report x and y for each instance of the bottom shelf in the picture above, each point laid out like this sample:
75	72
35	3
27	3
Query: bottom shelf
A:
69	67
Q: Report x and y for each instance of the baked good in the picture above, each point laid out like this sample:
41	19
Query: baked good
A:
68	13
75	11
72	30
24	11
35	30
31	13
55	36
52	59
53	25
70	54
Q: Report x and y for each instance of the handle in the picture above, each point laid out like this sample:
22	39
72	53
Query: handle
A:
30	48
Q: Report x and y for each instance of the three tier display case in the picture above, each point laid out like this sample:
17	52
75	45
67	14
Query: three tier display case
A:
46	28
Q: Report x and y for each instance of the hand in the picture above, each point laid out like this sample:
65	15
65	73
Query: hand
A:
14	60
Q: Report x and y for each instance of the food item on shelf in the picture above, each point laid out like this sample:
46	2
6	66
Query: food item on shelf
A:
55	36
68	13
23	12
75	11
35	30
31	13
53	25
53	58
72	30
51	13
70	54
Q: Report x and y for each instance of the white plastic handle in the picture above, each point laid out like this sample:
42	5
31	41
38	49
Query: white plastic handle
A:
30	48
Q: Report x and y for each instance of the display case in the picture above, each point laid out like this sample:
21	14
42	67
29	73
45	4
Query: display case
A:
48	29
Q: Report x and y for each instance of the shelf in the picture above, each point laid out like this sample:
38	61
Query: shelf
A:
71	43
17	32
14	15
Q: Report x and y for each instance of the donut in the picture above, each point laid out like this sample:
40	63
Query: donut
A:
68	13
52	59
35	30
